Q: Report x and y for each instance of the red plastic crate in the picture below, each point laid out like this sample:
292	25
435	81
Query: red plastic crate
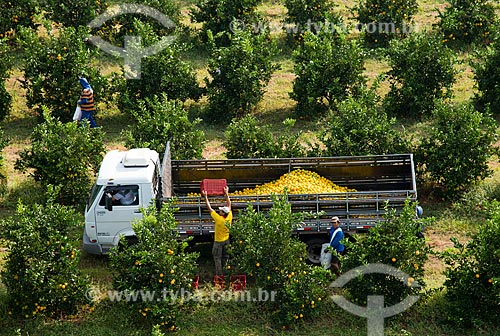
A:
219	281
213	187
195	283
238	282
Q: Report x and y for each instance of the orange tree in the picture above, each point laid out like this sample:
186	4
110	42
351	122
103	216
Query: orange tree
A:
422	73
5	65
41	269
52	65
244	138
392	242
360	127
3	143
383	20
263	247
219	16
157	264
473	275
457	132
164	73
329	68
487	75
73	13
312	16
17	13
239	74
158	120
63	154
467	21
118	27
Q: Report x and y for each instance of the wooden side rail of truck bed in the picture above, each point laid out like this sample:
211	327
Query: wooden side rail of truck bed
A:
358	210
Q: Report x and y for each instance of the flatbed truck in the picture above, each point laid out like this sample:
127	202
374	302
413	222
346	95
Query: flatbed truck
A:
378	181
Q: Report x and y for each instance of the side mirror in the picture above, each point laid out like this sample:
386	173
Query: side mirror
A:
108	199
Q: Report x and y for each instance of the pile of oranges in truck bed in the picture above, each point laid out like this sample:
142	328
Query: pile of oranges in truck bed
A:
299	181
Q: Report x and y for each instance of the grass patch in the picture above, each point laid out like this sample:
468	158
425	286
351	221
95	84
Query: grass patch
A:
107	319
234	318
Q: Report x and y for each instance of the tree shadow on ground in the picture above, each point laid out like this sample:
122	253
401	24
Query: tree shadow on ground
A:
113	123
26	192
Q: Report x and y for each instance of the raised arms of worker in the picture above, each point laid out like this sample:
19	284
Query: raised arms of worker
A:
207	202
226	194
228	200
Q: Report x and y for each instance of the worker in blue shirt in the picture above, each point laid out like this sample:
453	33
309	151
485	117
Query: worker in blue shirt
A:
336	236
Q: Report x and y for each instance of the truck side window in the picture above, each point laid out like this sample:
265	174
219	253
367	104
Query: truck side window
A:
122	195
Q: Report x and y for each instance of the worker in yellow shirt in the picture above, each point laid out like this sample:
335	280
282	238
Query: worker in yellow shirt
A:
222	219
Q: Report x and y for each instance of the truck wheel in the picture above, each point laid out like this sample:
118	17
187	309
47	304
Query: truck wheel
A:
314	250
350	237
132	240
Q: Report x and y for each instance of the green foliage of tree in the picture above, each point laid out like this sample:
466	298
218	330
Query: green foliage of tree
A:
73	13
422	71
329	68
301	11
456	152
472	275
313	16
239	73
360	127
383	20
52	66
41	271
218	16
467	21
392	242
116	29
159	120
16	14
63	154
3	177
244	138
5	67
486	68
158	263
162	73
278	267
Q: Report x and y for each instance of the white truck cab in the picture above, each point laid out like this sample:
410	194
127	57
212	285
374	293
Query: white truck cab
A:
127	181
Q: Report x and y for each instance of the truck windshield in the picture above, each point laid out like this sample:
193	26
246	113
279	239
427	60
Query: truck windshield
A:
96	189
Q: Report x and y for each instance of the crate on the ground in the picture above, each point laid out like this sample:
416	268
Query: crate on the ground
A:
238	282
196	282
219	281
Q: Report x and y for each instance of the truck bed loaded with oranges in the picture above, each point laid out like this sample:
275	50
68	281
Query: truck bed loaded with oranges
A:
354	188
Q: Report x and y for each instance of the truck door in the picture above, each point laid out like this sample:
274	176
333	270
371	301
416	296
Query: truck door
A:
126	203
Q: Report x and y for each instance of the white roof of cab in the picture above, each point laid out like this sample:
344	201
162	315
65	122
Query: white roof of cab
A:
128	167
